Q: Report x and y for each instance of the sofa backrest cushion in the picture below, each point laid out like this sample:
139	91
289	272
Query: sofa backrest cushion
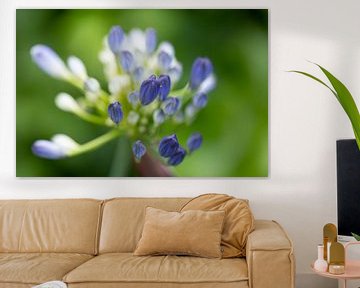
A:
66	226
123	220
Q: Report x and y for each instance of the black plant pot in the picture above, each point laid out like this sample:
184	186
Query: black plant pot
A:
348	187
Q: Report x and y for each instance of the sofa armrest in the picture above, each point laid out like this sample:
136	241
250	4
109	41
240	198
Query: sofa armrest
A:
269	256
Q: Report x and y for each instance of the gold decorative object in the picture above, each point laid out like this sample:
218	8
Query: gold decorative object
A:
330	236
337	258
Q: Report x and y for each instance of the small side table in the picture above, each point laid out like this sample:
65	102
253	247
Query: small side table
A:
352	269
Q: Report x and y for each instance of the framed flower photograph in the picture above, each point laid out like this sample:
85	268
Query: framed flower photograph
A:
142	93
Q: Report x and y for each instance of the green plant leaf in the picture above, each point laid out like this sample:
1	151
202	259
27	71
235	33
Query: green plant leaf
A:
316	79
344	97
356	236
347	101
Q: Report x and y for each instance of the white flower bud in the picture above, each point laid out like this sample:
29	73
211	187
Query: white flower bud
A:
77	67
66	102
49	62
133	118
64	142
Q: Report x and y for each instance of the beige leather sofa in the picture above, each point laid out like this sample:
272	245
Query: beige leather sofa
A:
89	243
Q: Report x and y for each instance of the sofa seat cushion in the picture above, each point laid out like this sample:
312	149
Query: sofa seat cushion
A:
127	268
36	268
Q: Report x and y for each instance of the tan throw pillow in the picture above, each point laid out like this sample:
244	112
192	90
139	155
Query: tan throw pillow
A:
196	233
239	220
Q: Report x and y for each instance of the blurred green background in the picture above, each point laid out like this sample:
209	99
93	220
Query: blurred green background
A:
234	124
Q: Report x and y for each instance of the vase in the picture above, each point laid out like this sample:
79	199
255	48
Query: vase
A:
320	264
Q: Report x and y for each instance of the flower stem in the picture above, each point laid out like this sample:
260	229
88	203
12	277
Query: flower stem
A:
181	92
91	118
96	143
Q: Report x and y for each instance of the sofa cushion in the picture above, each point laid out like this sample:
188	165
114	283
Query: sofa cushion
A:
123	220
193	232
126	268
36	268
239	220
63	226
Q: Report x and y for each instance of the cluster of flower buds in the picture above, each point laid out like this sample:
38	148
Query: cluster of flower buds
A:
139	99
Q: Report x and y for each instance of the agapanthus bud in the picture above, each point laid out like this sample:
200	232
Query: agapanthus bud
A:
77	67
177	157
47	149
66	102
92	85
179	117
171	105
127	61
150	40
65	142
138	149
136	38
115	39
194	142
175	72
49	61
207	85
115	112
57	148
159	116
201	69
119	83
200	100
164	59
133	117
190	111
138	74
165	86
133	98
168	145
167	47
149	90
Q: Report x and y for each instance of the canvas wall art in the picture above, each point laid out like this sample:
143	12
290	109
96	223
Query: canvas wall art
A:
138	93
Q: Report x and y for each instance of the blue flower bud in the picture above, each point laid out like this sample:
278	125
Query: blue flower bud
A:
133	98
158	116
177	157
194	142
115	38
190	111
164	59
165	86
47	149
138	149
201	69
171	105
200	100
49	61
149	90
127	61
150	39
115	112
175	72
138	74
168	145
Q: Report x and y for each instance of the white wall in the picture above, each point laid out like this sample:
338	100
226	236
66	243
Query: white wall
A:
305	120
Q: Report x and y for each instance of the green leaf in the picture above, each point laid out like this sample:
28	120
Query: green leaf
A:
347	102
343	96
356	236
316	79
